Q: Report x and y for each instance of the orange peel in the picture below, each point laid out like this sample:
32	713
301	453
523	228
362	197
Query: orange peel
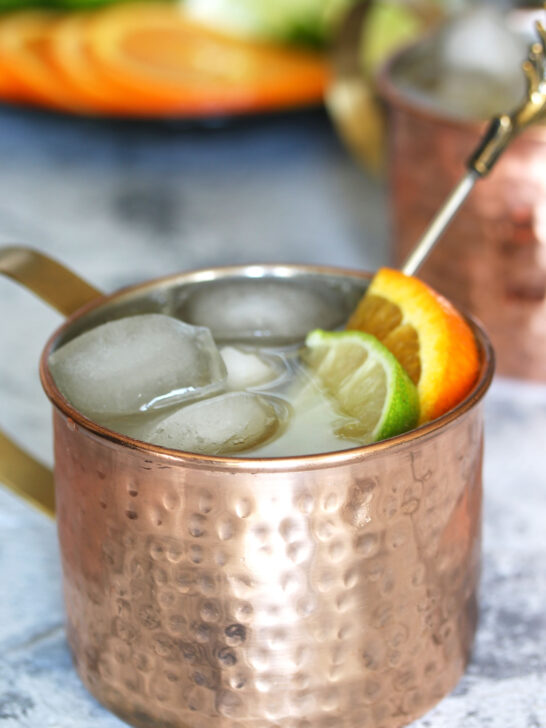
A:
427	334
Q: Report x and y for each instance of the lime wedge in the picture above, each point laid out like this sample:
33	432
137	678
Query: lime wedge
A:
365	382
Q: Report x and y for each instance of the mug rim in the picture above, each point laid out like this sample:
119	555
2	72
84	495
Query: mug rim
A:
396	98
275	464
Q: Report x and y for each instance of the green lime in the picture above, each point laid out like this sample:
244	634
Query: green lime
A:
365	382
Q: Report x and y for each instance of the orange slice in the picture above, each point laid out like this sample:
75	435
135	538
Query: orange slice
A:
9	88
176	65
427	335
24	38
68	55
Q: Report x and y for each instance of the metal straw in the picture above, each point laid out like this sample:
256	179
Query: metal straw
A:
502	130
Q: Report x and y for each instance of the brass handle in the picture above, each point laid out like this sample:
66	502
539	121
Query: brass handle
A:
66	292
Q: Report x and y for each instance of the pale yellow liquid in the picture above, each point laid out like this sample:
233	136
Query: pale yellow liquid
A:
307	417
310	428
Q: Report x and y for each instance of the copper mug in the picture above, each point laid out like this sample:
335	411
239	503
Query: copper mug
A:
492	259
326	591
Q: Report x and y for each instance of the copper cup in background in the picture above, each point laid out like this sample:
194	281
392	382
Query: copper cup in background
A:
335	590
492	259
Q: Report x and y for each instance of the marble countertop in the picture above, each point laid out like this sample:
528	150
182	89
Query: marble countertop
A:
122	202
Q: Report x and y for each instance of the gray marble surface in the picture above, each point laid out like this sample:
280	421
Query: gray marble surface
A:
121	203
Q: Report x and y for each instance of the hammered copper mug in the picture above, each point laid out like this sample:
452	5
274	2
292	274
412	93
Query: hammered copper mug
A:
327	591
492	258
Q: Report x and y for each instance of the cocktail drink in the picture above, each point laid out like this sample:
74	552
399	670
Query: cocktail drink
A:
253	396
250	379
238	586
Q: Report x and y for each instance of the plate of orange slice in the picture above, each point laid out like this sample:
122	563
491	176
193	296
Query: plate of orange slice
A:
149	60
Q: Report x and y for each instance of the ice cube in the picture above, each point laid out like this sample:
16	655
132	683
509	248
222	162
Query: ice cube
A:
137	363
279	311
221	425
138	425
247	369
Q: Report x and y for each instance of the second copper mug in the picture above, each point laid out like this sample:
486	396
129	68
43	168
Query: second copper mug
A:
492	258
327	591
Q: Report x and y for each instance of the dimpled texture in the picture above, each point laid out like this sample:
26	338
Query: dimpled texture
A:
218	596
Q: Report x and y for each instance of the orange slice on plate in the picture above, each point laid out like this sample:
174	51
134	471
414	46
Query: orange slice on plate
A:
23	49
156	54
428	336
68	56
9	88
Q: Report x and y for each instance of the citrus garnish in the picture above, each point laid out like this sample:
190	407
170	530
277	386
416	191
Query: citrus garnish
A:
365	382
427	335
